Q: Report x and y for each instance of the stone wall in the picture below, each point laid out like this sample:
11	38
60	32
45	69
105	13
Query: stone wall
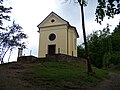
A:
56	57
63	57
27	59
30	59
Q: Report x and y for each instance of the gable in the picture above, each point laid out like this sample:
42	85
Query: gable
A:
54	20
51	20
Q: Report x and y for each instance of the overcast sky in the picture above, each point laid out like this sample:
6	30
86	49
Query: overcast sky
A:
29	13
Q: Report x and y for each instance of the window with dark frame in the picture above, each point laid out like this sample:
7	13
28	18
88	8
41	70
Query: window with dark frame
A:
52	37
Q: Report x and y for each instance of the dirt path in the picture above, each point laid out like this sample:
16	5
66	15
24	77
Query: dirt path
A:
9	78
113	83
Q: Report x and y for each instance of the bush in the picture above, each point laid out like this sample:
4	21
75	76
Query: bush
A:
106	59
115	58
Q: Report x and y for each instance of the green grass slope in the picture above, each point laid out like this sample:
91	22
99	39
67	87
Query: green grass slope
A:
62	76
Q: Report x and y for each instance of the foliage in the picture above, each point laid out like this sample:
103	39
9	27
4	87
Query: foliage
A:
107	8
11	38
116	45
3	13
99	43
104	8
80	51
102	43
115	58
106	59
116	38
104	47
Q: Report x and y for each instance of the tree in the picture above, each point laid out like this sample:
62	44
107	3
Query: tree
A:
3	14
89	68
116	38
108	8
100	47
11	38
105	8
81	51
104	47
90	72
83	3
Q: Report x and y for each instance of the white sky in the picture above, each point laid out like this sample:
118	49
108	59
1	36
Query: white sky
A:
29	13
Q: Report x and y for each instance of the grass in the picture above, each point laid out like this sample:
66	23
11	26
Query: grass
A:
57	71
63	75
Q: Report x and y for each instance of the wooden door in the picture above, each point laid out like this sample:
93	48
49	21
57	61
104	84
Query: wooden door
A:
51	49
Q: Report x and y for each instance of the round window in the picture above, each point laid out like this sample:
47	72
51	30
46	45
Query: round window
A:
52	20
52	37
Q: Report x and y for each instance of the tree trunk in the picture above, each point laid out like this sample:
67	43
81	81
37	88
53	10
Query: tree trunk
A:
5	54
9	55
85	42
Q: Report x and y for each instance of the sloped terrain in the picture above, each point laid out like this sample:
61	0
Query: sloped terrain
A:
49	76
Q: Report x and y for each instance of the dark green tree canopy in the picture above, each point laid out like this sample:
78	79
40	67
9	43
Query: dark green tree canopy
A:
107	8
116	38
104	46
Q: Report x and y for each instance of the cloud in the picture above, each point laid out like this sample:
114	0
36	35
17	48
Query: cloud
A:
29	13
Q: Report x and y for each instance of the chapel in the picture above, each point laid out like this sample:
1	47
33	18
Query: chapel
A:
57	36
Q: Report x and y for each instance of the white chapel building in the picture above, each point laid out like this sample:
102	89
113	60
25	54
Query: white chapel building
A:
57	36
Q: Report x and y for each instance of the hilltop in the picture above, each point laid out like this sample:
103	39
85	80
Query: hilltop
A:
49	76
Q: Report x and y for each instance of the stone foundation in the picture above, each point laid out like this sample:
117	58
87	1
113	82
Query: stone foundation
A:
56	57
63	57
27	59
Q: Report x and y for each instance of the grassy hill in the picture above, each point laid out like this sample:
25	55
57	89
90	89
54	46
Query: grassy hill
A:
48	76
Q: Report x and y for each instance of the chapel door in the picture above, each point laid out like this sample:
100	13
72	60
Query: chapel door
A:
51	49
